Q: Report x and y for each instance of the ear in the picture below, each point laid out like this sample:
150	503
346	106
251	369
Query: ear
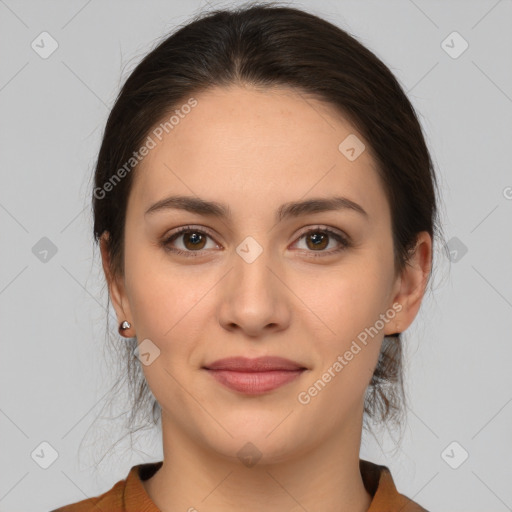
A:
411	284
115	284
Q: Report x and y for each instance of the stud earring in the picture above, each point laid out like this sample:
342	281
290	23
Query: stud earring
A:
123	326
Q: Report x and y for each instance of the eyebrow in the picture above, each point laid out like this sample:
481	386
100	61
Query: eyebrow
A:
287	210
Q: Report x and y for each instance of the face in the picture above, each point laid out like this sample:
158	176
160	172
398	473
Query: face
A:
303	286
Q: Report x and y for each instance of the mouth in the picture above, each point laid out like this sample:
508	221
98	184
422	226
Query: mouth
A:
258	364
254	383
254	376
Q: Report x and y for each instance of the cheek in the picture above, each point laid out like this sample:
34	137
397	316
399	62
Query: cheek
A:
347	300
167	304
346	342
347	306
152	292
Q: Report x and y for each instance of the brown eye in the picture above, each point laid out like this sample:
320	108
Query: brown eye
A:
318	239
193	241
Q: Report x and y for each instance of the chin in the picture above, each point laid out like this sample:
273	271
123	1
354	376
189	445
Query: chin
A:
257	440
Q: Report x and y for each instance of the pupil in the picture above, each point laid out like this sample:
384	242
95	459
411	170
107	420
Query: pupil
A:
318	239
195	238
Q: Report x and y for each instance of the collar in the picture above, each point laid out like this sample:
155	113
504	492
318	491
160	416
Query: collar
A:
377	480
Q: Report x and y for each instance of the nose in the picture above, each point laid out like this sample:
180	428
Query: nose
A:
254	298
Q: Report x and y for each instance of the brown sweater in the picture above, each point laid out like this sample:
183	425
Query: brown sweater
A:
129	495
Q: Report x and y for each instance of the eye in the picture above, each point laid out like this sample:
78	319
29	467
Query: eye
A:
193	241
318	238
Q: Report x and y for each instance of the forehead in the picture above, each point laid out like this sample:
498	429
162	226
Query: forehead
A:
264	143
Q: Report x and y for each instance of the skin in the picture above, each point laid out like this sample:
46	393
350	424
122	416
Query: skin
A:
254	150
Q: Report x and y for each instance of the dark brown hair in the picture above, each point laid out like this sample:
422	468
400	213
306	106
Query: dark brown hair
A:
267	45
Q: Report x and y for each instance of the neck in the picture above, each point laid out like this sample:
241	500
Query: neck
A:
193	477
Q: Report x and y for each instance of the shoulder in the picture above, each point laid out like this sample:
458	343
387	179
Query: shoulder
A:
112	500
379	483
127	495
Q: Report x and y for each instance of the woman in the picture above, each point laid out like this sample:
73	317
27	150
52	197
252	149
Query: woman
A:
265	205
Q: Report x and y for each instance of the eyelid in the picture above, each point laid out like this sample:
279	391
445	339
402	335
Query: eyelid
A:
189	227
323	227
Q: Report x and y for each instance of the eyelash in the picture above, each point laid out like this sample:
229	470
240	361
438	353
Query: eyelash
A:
345	243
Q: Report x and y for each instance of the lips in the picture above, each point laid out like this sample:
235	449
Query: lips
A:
259	364
254	376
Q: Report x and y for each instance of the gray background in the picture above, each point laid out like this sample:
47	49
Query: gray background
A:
53	369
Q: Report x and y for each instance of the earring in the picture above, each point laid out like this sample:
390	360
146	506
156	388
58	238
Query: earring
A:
123	326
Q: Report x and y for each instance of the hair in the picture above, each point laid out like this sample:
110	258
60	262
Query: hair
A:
267	45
